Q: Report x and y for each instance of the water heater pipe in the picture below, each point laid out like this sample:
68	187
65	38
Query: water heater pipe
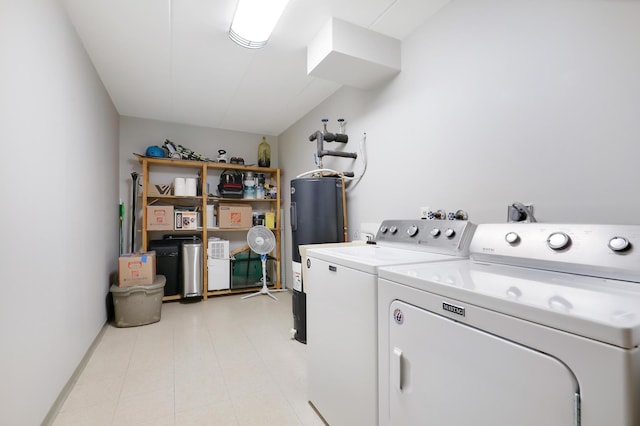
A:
344	211
320	137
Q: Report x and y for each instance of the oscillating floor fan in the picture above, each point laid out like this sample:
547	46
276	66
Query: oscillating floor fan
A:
262	241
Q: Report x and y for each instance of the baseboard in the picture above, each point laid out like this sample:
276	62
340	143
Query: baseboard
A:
64	394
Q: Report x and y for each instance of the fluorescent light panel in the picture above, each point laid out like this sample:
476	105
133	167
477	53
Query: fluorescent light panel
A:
254	21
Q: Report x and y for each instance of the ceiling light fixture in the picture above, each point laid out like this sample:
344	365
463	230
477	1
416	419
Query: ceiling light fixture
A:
254	21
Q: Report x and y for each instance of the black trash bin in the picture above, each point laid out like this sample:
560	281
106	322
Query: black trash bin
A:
168	263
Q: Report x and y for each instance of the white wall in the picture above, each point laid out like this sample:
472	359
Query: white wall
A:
498	101
137	134
58	179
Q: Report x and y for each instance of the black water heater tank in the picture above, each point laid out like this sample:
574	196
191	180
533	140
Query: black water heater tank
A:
316	218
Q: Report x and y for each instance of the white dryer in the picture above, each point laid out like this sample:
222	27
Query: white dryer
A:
540	327
342	334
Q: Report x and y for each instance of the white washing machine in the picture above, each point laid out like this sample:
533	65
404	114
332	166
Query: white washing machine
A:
540	327
342	332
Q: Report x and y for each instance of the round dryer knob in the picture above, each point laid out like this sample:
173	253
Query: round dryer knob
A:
512	237
619	244
449	232
435	232
412	230
384	229
558	241
393	229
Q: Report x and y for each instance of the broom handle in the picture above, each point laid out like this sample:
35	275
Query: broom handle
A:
134	179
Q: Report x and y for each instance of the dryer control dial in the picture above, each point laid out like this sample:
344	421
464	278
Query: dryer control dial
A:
619	244
512	237
558	241
435	232
412	231
384	229
393	229
449	232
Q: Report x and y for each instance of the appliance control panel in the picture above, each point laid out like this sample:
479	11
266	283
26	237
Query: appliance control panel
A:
607	251
437	236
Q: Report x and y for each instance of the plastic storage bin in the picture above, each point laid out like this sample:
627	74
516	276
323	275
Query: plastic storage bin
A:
138	305
247	270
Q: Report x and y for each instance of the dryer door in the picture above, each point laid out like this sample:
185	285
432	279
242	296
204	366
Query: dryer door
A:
443	372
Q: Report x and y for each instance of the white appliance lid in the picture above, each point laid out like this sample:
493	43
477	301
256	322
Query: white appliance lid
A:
600	309
368	258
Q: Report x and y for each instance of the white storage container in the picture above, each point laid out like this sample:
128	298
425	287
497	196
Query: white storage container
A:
219	274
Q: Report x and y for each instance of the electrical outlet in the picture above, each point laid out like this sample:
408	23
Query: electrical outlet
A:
424	212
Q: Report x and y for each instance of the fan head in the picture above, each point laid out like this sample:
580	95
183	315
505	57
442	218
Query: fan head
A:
261	240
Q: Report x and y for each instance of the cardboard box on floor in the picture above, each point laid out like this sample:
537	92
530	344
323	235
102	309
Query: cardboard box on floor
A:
137	269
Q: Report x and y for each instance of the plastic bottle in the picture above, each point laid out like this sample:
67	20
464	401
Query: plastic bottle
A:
249	185
264	153
260	192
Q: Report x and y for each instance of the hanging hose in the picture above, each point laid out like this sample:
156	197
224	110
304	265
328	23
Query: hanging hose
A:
333	173
363	155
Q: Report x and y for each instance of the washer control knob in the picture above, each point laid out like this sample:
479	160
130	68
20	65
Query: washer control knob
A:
449	232
619	244
435	232
412	231
558	241
512	237
393	229
384	229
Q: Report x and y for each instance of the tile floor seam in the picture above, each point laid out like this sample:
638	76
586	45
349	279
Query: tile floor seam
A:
173	347
131	352
275	381
224	380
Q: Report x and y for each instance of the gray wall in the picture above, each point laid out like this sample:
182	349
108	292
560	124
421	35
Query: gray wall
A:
59	206
498	101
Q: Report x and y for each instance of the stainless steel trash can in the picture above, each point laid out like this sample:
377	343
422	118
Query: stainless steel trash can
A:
191	269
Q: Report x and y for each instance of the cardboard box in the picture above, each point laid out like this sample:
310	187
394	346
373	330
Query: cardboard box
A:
234	215
185	220
159	218
158	190
137	269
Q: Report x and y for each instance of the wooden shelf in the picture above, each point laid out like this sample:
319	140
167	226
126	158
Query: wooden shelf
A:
175	197
208	164
242	200
202	168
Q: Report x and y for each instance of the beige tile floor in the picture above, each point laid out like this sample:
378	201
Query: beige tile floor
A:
225	361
